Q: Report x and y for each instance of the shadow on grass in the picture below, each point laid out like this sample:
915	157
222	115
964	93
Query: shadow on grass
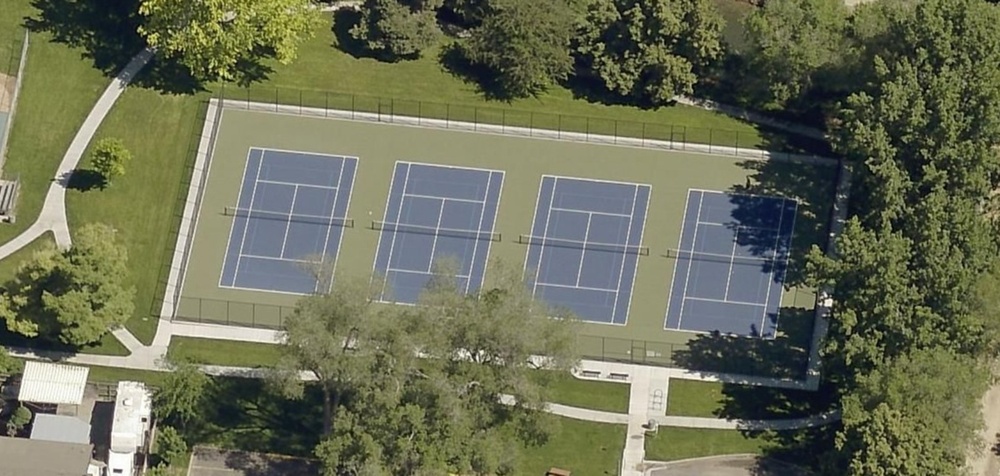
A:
85	180
52	350
454	61
249	415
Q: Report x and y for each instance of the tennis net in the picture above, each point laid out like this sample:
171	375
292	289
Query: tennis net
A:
583	245
286	217
435	231
724	258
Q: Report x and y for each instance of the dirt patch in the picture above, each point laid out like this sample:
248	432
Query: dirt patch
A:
6	92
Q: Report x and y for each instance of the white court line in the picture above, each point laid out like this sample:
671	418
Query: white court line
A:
737	194
585	179
288	223
445	166
745	227
561	209
584	288
784	272
479	229
392	243
770	275
385	217
280	182
243	241
687	279
493	226
673	274
732	262
628	309
586	234
302	152
723	301
432	197
422	273
333	216
272	258
628	236
437	234
548	222
239	196
534	216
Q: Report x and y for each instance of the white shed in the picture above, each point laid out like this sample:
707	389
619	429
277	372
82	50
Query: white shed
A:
55	384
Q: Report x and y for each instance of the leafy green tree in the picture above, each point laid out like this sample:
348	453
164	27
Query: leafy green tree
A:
8	364
916	415
19	419
75	295
793	44
525	43
470	12
170	445
212	37
650	50
418	390
180	401
397	29
110	157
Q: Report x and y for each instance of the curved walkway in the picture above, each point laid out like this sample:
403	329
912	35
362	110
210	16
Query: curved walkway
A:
645	383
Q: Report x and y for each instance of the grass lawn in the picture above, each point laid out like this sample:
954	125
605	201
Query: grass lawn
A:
114	374
161	132
694	398
606	396
322	66
566	389
681	443
9	265
11	34
223	352
59	90
583	447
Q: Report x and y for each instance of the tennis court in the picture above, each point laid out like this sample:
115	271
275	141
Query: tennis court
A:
584	245
288	221
730	267
436	213
598	229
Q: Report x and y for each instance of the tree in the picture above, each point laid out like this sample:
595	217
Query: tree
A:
213	37
19	419
793	44
397	29
170	445
525	44
418	390
8	364
181	399
75	295
109	158
650	50
916	415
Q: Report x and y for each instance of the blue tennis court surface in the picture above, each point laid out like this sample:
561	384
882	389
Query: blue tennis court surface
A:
585	244
289	216
728	274
436	212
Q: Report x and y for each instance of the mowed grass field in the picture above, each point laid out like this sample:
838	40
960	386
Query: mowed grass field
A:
524	161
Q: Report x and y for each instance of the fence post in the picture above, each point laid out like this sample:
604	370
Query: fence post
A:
737	143
275	99
200	312
420	114
531	123
503	121
587	132
475	118
300	102
710	139
352	105
326	105
603	355
447	116
643	138
392	110
248	98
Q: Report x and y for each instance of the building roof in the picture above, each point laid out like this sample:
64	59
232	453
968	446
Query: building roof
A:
133	407
65	429
45	382
21	456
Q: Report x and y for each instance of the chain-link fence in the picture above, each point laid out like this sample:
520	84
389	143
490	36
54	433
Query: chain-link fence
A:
501	120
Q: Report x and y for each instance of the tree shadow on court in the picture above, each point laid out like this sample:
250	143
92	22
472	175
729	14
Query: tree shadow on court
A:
85	180
270	465
813	187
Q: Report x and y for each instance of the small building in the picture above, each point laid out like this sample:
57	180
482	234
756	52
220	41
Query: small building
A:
22	457
46	383
60	428
130	429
